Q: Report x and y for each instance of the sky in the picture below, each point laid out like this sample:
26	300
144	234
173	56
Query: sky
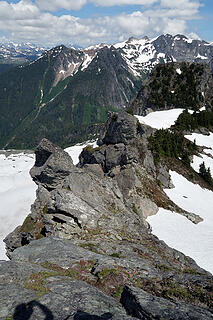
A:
88	22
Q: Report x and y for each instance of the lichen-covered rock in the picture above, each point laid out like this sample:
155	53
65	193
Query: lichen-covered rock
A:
145	306
29	291
64	279
52	165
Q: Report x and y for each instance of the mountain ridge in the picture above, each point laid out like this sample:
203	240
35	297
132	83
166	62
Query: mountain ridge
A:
63	82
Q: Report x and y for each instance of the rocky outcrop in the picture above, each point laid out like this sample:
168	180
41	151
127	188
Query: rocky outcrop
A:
52	165
121	128
86	242
114	188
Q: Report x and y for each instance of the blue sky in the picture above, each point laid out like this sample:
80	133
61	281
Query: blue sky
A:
87	22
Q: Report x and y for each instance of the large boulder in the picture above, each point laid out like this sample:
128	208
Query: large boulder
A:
109	156
52	165
121	128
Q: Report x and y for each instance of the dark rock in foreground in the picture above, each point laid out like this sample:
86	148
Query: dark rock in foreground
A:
144	306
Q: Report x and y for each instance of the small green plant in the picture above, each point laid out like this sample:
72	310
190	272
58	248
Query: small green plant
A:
114	209
159	183
135	210
163	267
118	291
130	111
45	209
114	116
28	225
37	282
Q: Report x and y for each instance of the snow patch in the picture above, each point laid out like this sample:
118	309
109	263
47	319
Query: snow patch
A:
202	158
206	141
87	60
201	57
188	40
201	140
75	150
178	71
161	119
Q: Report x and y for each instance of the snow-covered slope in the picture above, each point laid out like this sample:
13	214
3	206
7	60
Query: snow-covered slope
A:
207	156
138	53
177	231
17	192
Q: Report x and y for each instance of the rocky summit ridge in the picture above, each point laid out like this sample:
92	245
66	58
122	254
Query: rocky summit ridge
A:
86	250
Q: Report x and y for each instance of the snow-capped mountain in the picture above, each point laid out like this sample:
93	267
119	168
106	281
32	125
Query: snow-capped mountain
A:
78	86
143	54
11	52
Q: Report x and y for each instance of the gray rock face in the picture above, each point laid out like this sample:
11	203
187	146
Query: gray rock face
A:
52	165
120	128
109	156
164	177
144	306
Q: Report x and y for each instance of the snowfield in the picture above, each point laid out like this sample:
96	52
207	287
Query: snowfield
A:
201	140
17	193
161	119
177	231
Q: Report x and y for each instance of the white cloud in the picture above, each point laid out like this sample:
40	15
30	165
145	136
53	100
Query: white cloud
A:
174	26
54	5
184	4
18	11
26	20
109	3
